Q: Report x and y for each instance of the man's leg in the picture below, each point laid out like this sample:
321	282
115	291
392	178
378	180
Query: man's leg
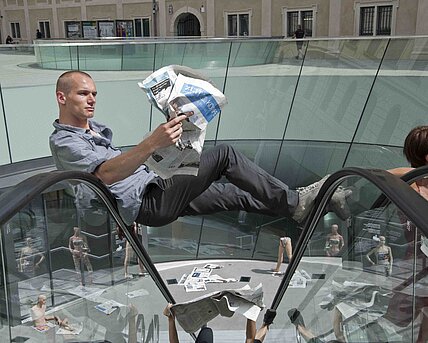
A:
280	256
255	190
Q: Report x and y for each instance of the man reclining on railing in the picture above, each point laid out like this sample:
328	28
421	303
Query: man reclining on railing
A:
80	143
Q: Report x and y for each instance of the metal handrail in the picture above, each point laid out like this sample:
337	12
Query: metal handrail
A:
395	189
23	193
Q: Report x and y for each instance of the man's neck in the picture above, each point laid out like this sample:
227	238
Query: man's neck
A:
83	124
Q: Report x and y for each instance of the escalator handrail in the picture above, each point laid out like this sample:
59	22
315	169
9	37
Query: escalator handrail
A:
396	190
23	193
415	174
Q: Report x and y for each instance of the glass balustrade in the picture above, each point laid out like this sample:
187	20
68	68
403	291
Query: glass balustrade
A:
365	282
68	253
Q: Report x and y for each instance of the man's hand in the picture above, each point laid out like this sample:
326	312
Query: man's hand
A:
125	164
167	311
166	134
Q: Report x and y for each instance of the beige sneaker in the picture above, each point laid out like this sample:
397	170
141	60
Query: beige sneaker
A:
307	197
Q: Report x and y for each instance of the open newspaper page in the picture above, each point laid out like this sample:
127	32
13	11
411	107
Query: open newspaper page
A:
192	315
174	94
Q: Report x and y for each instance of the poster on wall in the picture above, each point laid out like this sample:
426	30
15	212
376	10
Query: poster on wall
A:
124	28
106	29
73	29
89	29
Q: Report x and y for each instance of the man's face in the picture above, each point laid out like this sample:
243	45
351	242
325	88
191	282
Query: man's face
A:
79	102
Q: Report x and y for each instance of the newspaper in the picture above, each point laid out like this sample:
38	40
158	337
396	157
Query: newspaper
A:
175	90
195	281
108	307
192	315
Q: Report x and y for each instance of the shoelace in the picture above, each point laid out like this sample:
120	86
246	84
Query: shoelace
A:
307	188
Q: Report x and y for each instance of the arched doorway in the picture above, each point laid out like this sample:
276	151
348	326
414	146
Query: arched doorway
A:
188	25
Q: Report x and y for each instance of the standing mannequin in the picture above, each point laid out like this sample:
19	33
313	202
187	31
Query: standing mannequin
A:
28	257
79	249
334	242
284	244
129	253
383	255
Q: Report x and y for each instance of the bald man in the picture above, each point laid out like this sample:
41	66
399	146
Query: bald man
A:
81	143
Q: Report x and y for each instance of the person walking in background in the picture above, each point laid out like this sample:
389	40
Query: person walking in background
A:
299	34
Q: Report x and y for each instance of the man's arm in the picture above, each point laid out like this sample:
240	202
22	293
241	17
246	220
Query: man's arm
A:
69	245
250	332
371	252
400	171
124	165
172	330
341	242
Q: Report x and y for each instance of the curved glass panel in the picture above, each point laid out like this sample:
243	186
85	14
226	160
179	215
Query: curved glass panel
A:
29	119
333	87
259	97
375	156
397	99
301	163
4	152
124	107
64	247
355	281
89	57
138	57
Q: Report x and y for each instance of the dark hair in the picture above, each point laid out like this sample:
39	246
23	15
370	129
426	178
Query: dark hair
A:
64	82
416	146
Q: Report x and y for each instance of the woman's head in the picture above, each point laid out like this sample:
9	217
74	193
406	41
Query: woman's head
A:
416	146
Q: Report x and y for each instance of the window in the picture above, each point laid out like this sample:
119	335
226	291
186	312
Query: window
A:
238	24
15	29
376	20
73	29
45	29
142	27
304	18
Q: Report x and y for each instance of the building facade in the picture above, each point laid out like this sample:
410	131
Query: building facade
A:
89	19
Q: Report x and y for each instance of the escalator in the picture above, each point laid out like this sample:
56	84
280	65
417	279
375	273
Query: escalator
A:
374	288
104	305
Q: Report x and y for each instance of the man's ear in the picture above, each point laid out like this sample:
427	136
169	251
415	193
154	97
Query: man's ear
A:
60	97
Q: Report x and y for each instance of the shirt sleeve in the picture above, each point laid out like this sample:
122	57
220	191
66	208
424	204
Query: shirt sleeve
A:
72	152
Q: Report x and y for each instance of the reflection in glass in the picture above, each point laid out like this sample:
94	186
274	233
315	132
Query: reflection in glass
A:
364	292
65	273
329	97
395	104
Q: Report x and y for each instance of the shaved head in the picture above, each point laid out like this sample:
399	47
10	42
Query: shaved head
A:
65	81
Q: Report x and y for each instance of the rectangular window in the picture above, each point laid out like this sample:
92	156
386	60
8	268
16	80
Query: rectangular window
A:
375	20
124	28
292	22
142	27
243	24
384	18
303	18
238	24
307	20
45	29
366	21
16	30
73	29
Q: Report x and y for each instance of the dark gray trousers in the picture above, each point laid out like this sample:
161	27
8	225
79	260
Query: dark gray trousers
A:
250	189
